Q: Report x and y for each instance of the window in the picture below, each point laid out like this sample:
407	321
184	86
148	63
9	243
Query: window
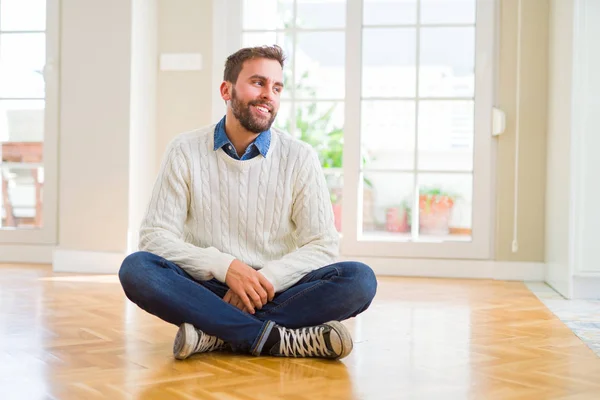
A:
417	118
28	119
395	96
312	35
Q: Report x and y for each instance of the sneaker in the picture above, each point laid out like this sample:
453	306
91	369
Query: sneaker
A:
330	340
190	340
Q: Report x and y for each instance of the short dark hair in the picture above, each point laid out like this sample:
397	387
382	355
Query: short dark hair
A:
234	62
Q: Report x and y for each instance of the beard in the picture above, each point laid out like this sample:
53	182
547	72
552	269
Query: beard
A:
247	119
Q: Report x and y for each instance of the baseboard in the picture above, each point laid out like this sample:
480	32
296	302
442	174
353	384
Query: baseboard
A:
586	286
561	287
108	263
518	271
26	254
471	269
86	261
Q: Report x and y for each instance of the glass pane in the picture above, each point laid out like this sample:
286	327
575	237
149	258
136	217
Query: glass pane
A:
389	12
22	60
447	62
268	14
284	40
448	11
269	38
283	120
23	15
445	206
387	199
321	124
389	58
335	183
21	197
320	65
446	135
21	120
388	134
321	14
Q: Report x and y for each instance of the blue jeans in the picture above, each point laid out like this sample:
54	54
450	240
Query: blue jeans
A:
335	292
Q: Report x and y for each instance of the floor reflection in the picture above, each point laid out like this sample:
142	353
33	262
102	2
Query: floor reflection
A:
68	337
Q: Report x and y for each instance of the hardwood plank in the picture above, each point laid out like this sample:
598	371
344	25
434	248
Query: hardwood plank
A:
69	336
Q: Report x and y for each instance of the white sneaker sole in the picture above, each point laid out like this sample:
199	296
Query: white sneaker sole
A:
184	341
345	337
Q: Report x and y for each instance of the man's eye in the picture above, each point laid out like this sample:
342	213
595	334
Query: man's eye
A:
258	83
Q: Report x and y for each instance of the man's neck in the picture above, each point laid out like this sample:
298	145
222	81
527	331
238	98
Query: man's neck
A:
237	134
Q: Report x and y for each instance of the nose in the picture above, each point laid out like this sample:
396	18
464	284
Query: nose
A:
267	93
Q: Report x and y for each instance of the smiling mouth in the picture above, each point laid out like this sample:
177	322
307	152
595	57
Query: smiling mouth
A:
263	109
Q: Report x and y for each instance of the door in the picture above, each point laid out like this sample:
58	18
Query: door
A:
396	97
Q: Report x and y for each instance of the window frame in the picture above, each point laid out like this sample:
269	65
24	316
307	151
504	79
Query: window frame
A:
47	233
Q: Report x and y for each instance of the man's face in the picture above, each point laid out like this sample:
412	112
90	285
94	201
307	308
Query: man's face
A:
255	97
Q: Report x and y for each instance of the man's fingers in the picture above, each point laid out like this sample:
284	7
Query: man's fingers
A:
262	293
255	298
243	298
233	299
247	303
264	282
238	303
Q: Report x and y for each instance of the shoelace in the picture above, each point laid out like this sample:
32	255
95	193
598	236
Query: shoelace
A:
303	342
207	343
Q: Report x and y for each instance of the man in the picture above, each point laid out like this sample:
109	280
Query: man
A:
238	245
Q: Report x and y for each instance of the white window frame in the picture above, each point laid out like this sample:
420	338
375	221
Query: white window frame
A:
47	234
227	38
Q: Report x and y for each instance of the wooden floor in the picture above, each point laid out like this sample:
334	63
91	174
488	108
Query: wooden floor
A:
76	337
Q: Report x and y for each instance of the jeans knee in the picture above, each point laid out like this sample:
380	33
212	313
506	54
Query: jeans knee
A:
364	282
128	267
132	269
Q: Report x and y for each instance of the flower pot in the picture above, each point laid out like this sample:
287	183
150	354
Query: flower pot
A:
396	220
434	214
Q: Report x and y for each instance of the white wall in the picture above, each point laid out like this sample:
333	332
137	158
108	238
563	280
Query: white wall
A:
108	129
142	150
110	147
184	97
558	182
587	144
532	130
94	125
573	217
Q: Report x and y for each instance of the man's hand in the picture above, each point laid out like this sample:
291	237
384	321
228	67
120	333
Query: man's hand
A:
234	300
249	285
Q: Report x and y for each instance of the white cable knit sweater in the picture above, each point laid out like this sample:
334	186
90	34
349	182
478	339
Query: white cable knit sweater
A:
272	213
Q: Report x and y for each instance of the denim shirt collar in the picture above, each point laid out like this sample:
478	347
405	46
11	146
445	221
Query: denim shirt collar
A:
262	141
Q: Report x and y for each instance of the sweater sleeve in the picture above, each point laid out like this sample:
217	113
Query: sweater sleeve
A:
316	236
162	229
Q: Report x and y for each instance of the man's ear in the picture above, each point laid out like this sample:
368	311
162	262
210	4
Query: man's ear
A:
226	90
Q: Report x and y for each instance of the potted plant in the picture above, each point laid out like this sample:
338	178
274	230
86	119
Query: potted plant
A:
398	218
435	210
